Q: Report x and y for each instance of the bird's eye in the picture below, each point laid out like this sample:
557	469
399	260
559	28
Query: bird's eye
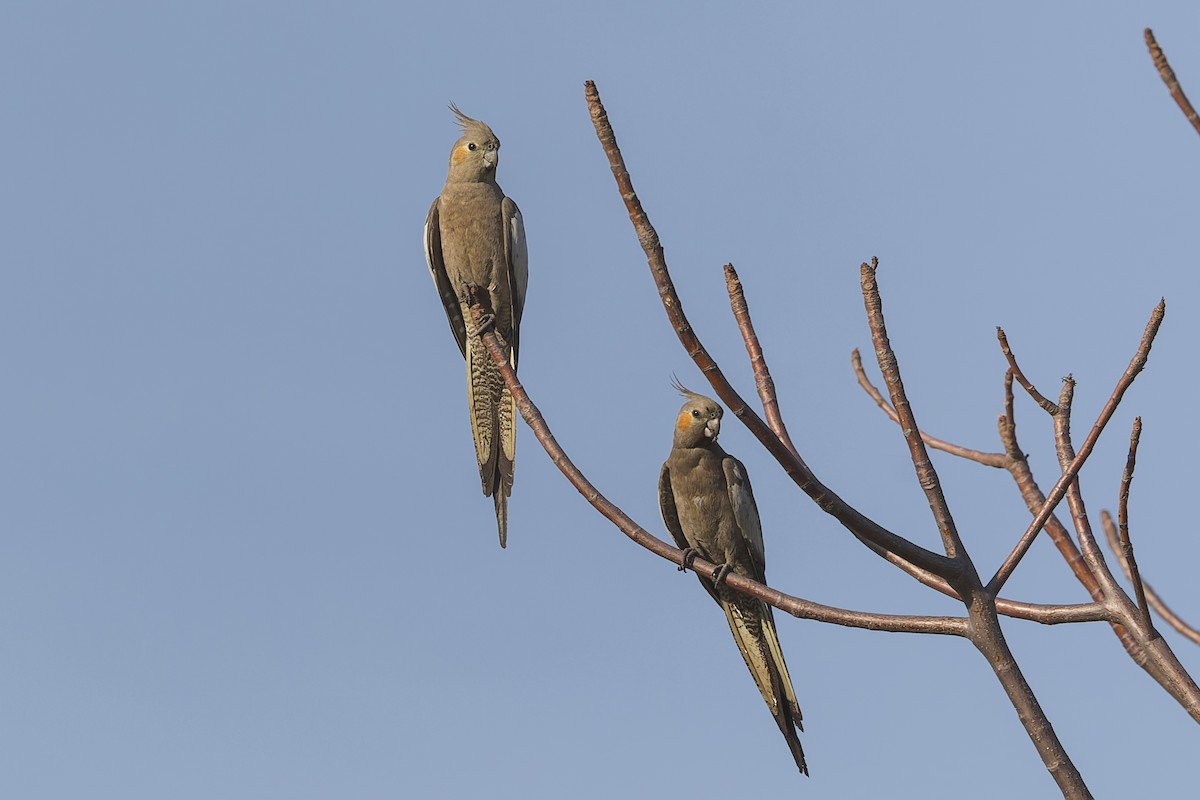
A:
696	413
471	146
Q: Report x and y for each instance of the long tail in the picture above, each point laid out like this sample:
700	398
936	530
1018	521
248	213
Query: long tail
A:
493	417
753	628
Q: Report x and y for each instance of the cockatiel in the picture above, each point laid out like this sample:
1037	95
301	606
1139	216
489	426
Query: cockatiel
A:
707	505
474	235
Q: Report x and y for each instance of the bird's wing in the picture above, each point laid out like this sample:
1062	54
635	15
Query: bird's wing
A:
745	512
437	269
517	254
666	504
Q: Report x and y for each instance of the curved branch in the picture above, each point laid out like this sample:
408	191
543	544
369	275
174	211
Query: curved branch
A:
797	607
978	456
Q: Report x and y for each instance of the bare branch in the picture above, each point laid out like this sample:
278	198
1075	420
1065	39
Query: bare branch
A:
888	365
1155	601
797	607
978	456
1038	397
1125	554
1136	365
825	498
758	361
1168	76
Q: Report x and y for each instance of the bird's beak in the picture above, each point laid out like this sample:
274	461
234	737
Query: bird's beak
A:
712	428
491	157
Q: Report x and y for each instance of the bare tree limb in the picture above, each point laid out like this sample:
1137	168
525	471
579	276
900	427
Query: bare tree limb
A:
1156	602
1168	76
1034	612
1060	487
758	361
978	456
890	368
797	607
1015	368
793	465
1125	553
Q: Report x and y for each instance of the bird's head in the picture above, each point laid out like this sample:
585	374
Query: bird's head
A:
699	419
476	153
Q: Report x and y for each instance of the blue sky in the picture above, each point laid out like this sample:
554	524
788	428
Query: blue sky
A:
243	551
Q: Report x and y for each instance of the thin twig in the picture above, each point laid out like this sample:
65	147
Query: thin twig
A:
1168	76
1152	597
890	368
1136	365
1126	556
758	361
1065	448
1038	397
998	460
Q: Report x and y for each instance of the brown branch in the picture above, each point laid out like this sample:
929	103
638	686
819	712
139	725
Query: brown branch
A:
1136	365
1168	76
978	456
1065	449
827	500
890	368
983	626
1125	554
1038	397
797	607
758	361
1035	612
1152	597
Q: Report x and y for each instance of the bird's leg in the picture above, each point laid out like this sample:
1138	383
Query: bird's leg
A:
721	573
689	555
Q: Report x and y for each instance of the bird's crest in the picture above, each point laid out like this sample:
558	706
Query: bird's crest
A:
683	390
471	126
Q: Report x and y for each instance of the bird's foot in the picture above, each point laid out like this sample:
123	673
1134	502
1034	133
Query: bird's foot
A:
487	322
474	293
721	573
689	555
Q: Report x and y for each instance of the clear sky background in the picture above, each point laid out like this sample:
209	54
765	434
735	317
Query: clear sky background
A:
243	551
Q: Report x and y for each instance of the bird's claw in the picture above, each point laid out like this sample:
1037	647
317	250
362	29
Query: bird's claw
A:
721	573
689	555
487	322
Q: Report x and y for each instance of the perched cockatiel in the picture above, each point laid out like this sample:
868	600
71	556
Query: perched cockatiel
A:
474	235
708	507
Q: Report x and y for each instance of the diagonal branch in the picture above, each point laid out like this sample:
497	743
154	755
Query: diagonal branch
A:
1168	76
1125	553
1152	598
888	365
758	362
1136	365
1034	612
978	456
792	464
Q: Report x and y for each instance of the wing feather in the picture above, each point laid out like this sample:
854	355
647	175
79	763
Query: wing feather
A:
517	254
437	270
745	511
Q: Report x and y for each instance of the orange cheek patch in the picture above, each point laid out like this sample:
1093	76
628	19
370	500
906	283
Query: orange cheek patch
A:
683	422
458	155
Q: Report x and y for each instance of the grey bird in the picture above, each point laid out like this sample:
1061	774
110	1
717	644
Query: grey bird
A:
708	506
475	237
